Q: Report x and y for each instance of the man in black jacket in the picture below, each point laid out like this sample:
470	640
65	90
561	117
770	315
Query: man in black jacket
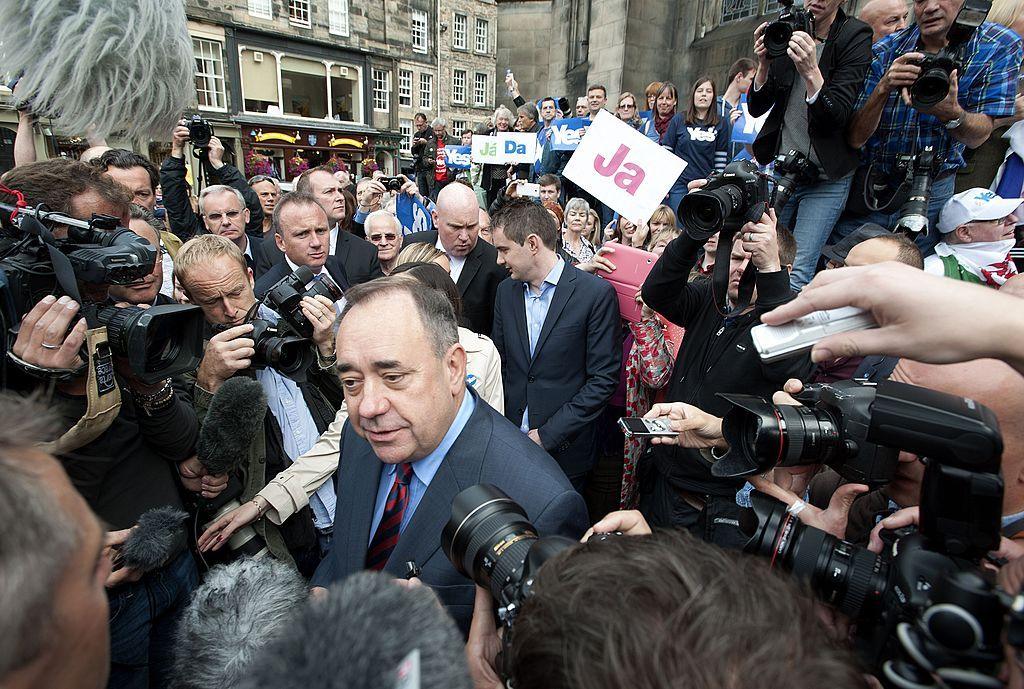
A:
432	161
357	255
717	356
182	220
475	268
419	140
811	92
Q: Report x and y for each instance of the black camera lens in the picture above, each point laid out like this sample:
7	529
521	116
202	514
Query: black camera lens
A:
488	537
289	355
776	38
159	342
705	211
931	87
844	575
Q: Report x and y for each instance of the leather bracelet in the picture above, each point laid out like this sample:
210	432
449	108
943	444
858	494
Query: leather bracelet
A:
156	401
325	362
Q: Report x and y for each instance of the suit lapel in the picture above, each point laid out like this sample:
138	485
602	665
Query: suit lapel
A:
519	309
470	268
564	290
358	481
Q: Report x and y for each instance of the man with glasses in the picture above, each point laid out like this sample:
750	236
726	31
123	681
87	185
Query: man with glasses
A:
385	232
977	234
628	113
223	211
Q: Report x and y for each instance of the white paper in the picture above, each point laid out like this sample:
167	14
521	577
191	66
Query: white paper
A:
505	148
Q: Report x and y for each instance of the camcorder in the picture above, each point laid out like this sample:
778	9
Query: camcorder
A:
286	346
924	607
932	85
778	33
158	342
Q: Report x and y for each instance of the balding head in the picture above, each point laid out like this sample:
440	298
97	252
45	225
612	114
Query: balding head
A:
884	17
997	386
892	247
457	219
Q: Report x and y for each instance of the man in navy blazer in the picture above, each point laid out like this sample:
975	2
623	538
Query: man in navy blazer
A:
416	437
557	330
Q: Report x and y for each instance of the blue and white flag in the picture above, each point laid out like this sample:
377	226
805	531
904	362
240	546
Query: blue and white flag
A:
457	157
566	134
746	128
413	215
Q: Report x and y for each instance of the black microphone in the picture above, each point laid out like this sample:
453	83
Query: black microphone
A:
157	537
366	633
238	610
234	418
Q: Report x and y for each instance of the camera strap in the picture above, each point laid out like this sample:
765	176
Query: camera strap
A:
722	269
103	397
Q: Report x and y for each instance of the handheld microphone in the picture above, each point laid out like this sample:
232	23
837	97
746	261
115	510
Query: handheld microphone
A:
363	636
157	537
113	65
231	618
234	418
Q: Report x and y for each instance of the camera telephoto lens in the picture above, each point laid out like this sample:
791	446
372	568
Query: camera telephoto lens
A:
487	537
844	575
704	212
931	87
776	38
289	355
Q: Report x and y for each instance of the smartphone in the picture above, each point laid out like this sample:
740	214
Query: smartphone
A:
636	427
530	190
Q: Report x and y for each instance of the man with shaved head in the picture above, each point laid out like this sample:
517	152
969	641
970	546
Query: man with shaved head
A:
475	268
884	17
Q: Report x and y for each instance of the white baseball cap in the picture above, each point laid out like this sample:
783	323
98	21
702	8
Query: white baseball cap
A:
975	204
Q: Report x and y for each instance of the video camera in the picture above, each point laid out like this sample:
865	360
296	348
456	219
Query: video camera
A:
159	342
932	85
778	33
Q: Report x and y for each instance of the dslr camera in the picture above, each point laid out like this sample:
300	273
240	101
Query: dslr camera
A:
158	342
792	169
777	34
729	200
932	85
199	131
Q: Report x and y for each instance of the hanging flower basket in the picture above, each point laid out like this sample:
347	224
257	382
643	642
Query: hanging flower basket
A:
259	164
297	165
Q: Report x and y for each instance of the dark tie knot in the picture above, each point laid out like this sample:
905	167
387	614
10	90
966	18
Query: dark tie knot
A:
404	473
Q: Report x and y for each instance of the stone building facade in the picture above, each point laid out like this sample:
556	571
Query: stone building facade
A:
468	51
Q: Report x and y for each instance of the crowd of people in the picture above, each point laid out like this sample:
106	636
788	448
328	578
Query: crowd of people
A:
484	343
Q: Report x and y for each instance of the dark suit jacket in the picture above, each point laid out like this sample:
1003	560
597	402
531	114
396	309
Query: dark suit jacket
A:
357	255
258	265
489	450
477	283
844	64
574	369
279	270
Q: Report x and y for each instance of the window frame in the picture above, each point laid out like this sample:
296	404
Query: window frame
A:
480	102
422	46
336	8
464	43
384	94
426	103
407	91
480	21
222	92
456	73
255	11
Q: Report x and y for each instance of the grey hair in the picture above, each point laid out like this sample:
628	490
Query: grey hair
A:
392	218
439	122
502	111
575	204
138	212
80	58
38	540
218	189
256	179
530	110
436	312
239	609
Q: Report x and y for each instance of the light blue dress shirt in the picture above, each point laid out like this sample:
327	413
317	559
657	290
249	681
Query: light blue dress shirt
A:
298	430
423	470
537	305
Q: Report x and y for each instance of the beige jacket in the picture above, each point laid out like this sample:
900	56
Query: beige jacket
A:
289	491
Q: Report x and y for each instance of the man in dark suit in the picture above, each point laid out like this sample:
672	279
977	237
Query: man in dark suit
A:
416	437
224	213
358	256
301	233
557	330
475	268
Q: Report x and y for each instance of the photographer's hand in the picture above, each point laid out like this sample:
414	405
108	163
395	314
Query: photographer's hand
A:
483	643
763	61
906	517
215	153
948	108
43	338
627	522
831	520
696	428
761	241
226	354
218	533
903	72
370	196
804	55
179	138
319	311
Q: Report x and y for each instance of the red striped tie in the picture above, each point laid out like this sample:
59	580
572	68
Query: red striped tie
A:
386	537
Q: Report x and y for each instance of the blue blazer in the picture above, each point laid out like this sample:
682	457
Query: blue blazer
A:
489	450
574	370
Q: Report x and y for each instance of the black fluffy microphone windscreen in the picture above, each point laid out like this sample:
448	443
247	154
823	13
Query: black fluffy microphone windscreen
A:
359	637
158	535
234	418
239	609
112	65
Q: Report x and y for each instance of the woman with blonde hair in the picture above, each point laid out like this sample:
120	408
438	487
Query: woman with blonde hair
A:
593	232
421	252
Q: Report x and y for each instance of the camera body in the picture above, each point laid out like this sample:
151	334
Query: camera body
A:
726	202
199	131
932	84
392	183
285	297
792	169
778	33
288	354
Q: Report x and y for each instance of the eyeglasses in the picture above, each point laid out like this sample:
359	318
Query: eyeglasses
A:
215	217
627	106
389	237
1007	220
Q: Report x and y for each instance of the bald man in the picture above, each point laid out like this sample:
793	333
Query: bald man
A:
885	17
892	247
475	268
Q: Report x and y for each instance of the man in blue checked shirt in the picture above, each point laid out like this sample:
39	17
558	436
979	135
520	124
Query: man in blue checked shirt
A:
887	125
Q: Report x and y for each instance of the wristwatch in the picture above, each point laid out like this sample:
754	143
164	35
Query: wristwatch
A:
953	124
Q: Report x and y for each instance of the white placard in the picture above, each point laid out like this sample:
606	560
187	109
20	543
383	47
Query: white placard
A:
623	168
505	148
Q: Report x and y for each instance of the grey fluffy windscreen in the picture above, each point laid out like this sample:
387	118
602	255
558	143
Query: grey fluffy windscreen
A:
114	65
158	536
235	416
